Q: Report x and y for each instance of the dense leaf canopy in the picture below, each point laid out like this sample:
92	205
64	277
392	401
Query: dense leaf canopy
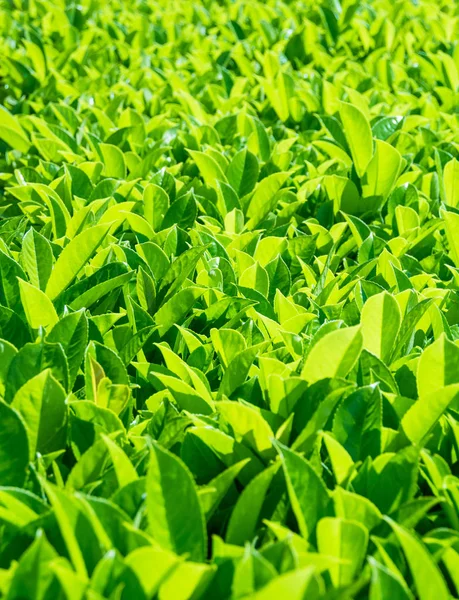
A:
229	299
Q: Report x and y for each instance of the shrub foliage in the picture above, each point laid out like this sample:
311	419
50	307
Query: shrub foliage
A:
229	299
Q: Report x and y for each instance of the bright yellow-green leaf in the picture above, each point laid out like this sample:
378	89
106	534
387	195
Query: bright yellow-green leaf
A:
38	308
346	540
380	320
425	413
12	132
438	366
451	182
382	171
358	134
334	355
209	167
429	582
74	257
451	221
113	161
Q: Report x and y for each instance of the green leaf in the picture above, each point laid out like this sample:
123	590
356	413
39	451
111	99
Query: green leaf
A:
67	517
334	355
12	328
380	321
252	572
38	308
14	447
203	249
12	132
312	415
186	396
73	586
263	199
210	169
243	172
227	343
279	92
100	362
427	576
138	224
10	273
425	413
389	480
176	308
156	204
255	277
295	585
84	295
181	268
7	353
407	219
247	512
349	505
358	422
340	459
188	580
451	182
33	576
386	126
73	258
451	221
140	561
211	495
308	495
358	135
438	366
71	332
41	403
174	529
409	322
247	426
124	469
37	258
31	360
90	467
345	540
279	277
238	369
181	213
113	160
386	583
382	172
